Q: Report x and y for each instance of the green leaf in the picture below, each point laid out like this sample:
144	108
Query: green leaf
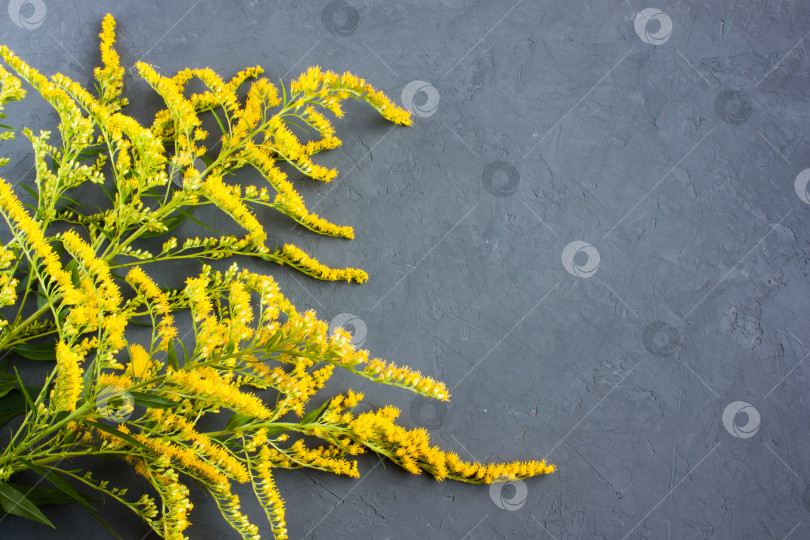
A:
42	299
41	495
30	191
14	502
107	192
7	383
72	201
23	390
238	420
173	362
121	435
45	352
91	152
73	268
185	352
198	222
56	479
152	401
15	403
314	414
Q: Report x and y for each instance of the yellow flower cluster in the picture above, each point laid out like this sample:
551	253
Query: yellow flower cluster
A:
8	290
111	379
114	327
298	385
111	76
241	311
261	96
322	458
285	144
139	362
14	212
182	111
68	378
77	128
159	300
206	384
412	450
388	372
197	293
287	199
108	295
295	257
174	495
271	500
10	89
213	452
333	88
229	505
184	457
227	198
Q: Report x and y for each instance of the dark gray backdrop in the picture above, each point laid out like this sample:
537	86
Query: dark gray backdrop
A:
596	232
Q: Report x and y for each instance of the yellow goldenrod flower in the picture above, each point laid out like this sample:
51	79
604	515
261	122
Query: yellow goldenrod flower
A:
111	76
110	379
297	258
227	198
206	384
109	296
114	326
68	378
139	362
13	210
271	500
185	458
381	371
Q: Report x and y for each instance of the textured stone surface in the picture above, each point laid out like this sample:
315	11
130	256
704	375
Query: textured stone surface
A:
673	158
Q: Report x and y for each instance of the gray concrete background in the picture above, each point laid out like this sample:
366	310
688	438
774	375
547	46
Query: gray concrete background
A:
674	160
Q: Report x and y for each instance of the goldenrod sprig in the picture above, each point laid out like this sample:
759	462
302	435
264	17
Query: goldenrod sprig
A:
80	280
